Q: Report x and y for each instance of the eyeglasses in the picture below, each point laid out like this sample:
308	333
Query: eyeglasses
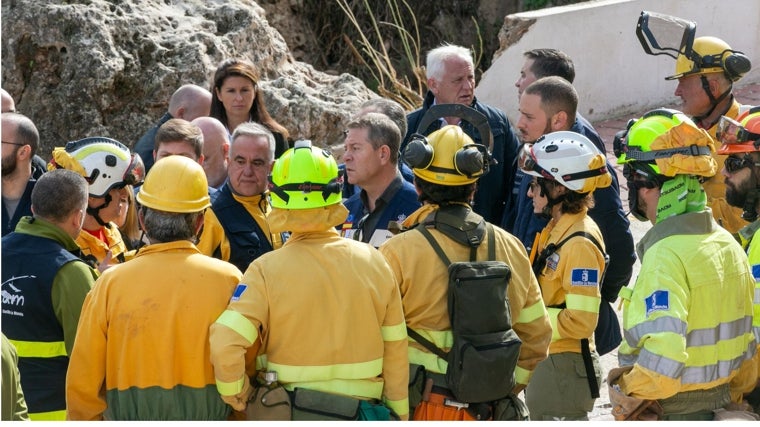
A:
730	131
735	164
14	143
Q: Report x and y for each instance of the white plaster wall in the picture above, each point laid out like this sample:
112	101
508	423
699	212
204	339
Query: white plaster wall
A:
614	76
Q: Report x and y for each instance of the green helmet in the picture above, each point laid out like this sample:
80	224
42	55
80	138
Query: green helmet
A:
665	142
305	177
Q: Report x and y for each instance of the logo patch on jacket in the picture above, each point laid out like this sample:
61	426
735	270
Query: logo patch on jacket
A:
239	291
584	277
756	272
552	261
658	301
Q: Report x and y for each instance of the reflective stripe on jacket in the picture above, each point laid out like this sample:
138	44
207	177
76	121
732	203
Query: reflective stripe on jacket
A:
572	277
142	348
688	318
327	313
423	280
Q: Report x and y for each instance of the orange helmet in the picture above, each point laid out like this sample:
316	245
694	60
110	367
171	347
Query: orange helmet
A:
741	135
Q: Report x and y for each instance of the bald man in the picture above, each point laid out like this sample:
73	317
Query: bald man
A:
8	104
216	146
188	102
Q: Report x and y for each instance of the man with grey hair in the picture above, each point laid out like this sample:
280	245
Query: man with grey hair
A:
371	158
188	102
155	365
451	80
239	231
216	146
20	141
44	286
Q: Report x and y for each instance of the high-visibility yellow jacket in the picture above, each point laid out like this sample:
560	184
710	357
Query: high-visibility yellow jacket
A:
572	276
423	282
91	246
688	317
327	314
213	237
751	243
141	351
730	217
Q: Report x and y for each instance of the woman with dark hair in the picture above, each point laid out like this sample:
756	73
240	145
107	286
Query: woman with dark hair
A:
569	262
236	98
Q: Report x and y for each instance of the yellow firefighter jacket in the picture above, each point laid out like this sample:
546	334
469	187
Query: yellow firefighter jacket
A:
326	313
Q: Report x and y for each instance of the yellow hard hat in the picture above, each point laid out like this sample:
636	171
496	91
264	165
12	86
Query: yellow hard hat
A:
711	55
447	156
175	184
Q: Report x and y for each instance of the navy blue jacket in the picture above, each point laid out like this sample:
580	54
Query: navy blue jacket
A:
29	266
247	239
494	187
24	208
395	204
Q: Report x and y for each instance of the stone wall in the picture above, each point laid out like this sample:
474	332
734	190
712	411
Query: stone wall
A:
108	68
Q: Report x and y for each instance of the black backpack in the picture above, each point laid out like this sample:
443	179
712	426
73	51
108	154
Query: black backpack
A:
483	357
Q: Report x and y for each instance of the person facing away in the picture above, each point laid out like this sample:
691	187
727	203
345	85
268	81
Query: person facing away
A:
237	98
371	159
549	104
689	344
216	147
569	262
238	230
451	80
188	102
447	191
740	141
13	402
141	351
44	287
20	140
705	86
108	166
338	335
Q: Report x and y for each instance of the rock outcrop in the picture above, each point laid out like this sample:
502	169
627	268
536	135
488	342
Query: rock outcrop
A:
108	68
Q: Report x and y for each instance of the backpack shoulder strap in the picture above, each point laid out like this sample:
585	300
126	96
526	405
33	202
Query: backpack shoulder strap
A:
584	234
426	343
436	247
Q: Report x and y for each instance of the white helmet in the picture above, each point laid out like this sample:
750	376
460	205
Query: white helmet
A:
104	162
568	158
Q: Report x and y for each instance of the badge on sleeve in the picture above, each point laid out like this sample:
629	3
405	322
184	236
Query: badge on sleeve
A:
241	287
584	277
756	272
658	301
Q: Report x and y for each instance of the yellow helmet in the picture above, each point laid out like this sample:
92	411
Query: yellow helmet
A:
447	156
175	184
711	55
305	177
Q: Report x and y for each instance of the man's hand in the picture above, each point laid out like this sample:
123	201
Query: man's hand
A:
239	401
628	408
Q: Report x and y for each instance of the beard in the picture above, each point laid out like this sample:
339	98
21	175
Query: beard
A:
736	195
9	164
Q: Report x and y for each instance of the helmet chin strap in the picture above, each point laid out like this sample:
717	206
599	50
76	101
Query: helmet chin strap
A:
95	212
546	212
713	100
